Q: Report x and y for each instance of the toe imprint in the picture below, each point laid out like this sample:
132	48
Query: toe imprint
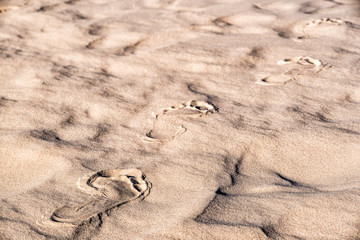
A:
201	106
324	21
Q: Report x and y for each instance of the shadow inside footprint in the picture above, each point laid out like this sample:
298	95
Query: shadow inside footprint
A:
168	124
110	188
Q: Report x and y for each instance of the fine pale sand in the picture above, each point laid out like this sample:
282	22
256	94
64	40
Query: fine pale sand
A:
179	119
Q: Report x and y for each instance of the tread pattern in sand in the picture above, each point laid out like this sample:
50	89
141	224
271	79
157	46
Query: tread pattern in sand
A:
162	133
110	188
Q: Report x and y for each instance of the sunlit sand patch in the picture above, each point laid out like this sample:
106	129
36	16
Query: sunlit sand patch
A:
353	97
160	4
7	5
26	165
292	74
274	6
163	132
321	162
109	188
4	9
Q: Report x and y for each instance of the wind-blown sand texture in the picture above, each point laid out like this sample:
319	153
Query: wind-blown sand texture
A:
244	117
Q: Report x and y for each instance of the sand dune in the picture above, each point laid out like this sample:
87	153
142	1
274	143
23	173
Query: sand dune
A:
180	119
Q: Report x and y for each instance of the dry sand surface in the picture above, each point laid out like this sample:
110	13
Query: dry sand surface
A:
180	119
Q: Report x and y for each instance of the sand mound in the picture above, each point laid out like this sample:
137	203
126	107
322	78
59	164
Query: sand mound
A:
25	165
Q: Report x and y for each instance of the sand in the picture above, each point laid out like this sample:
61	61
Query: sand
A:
210	119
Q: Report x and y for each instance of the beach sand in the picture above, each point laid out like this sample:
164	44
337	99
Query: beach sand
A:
180	119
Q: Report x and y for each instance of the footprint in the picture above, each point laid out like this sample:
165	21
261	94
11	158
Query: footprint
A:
322	27
110	188
164	127
306	63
